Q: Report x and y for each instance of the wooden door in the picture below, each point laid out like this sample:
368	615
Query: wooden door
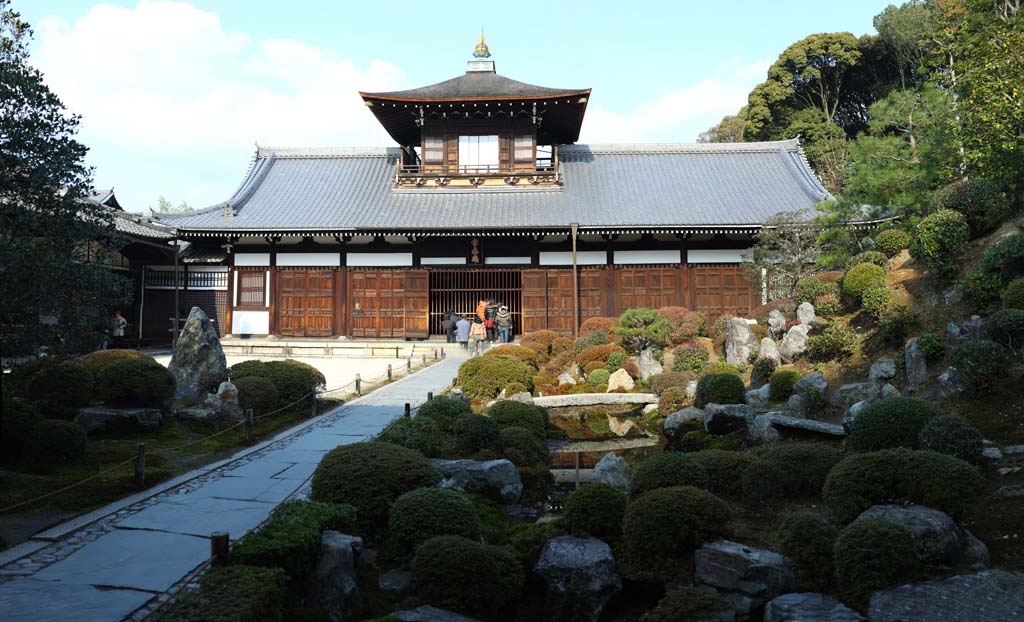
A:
593	292
417	304
559	302
392	304
646	287
363	289
721	289
535	300
306	303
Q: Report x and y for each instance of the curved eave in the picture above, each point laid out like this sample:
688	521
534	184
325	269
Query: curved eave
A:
431	100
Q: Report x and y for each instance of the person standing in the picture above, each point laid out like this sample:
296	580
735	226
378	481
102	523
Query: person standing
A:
490	313
117	330
504	322
477	333
448	326
462	331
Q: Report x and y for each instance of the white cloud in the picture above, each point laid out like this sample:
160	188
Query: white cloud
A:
678	116
164	86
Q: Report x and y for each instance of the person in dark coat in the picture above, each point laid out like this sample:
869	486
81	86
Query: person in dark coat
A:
504	323
462	331
448	326
490	314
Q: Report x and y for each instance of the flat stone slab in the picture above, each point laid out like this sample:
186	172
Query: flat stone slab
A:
29	600
808	425
608	445
197	515
266	467
268	490
293	455
300	471
594	399
142	560
322	441
987	595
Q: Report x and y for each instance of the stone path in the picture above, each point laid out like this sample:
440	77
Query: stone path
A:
124	564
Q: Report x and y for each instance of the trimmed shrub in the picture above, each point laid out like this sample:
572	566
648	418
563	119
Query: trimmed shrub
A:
472	434
872	555
631	369
941	239
524	354
761	372
892	241
669	379
370	476
876	300
690	357
861	278
983	290
231	594
509	413
595	510
895	325
688	604
980	364
642	328
55	442
444	411
724	468
547	337
822	294
788	471
835	341
721	367
522	448
421	514
99	359
901	476
932	346
417	433
808	541
465	576
684	325
591	324
17	382
671	400
596	337
560	345
1006	327
890	422
64	387
667	469
259	394
484	377
952	435
17	420
293	379
1005	257
597	353
616	361
1013	295
515	388
598	376
782	383
142	383
666	525
981	202
719	389
876	257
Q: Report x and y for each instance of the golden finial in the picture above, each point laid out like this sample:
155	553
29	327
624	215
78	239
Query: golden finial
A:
481	50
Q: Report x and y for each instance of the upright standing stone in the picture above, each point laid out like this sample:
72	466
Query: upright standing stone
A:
614	471
794	343
580	576
917	369
740	343
805	313
769	350
776	323
620	380
648	365
198	363
334	586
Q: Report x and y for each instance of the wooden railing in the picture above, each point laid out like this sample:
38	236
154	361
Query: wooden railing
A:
542	167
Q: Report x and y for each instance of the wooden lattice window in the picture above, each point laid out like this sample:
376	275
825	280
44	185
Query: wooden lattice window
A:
252	288
524	149
433	150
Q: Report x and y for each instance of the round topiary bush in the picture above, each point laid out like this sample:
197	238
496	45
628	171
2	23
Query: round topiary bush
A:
509	413
465	576
876	257
892	241
835	341
901	476
595	510
684	325
788	471
670	468
932	346
1013	295
722	367
523	448
980	364
599	375
592	324
259	394
484	377
421	514
671	400
524	354
141	383
782	383
17	420
56	442
64	388
941	239
981	202
808	540
876	300
1005	257
616	361
861	278
293	379
719	389
99	359
669	379
871	555
597	353
1006	327
724	468
417	433
370	476
952	435
824	295
472	434
444	411
890	422
17	382
690	356
666	525
688	604
596	337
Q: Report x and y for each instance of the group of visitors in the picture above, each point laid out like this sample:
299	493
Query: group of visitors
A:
492	323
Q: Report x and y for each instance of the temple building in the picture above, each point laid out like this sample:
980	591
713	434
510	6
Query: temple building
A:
487	195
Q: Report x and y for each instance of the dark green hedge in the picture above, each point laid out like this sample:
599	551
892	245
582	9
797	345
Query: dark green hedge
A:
665	526
871	555
509	413
788	471
62	388
293	379
891	422
808	541
670	468
719	389
135	382
466	576
595	510
421	514
52	441
232	594
689	604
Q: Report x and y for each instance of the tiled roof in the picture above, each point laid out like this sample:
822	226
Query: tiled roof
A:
626	185
476	85
138	226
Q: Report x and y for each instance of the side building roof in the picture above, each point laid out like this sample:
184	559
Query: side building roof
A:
675	187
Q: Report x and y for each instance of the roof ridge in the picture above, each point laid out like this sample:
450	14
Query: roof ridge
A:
791	144
285	153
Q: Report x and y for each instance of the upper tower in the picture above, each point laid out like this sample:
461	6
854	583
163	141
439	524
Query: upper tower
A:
480	128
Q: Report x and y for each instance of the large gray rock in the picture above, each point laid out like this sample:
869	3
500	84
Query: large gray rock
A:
427	613
226	401
722	419
762	430
937	539
795	342
497	479
851	414
104	419
620	380
690	389
888	390
970	329
808	396
768	350
758	574
883	370
740	342
566	378
849	394
976	555
805	314
197	363
796	406
672	429
523	397
826	430
333	586
982	596
947	385
648	365
579	575
808	607
815	382
613	470
776	323
759	398
917	368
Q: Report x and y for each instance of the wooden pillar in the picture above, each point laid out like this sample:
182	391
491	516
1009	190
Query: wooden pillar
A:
574	229
272	306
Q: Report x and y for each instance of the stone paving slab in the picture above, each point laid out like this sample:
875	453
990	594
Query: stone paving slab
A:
196	515
29	600
141	560
260	468
323	441
300	471
268	490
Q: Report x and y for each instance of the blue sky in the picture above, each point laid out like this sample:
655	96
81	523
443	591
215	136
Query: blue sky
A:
174	95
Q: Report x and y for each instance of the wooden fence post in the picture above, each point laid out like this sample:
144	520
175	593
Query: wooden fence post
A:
220	548
424	360
430	395
389	372
408	364
248	425
408	410
312	401
140	465
359	385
